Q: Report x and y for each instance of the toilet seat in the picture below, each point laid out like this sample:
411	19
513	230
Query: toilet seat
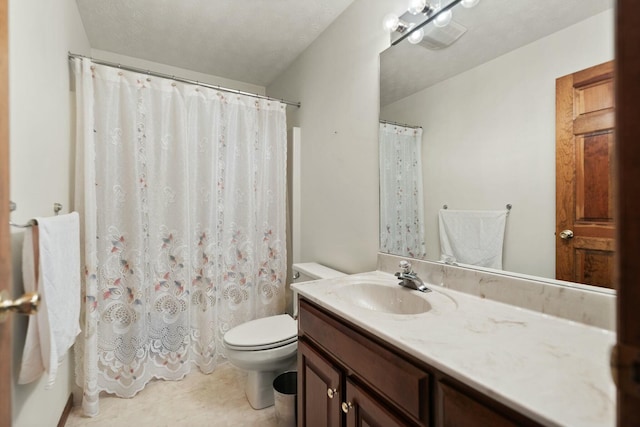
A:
262	334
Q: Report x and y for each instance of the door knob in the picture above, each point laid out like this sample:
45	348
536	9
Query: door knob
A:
346	406
331	392
566	234
26	304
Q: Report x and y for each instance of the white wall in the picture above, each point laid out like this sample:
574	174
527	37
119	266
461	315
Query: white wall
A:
336	80
489	139
176	71
41	159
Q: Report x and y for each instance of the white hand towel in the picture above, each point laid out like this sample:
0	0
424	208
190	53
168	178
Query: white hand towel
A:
58	319
473	237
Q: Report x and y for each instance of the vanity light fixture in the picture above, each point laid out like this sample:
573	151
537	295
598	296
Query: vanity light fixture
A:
469	3
417	7
416	36
436	12
392	23
443	19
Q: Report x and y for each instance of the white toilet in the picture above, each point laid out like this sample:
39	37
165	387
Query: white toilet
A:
267	347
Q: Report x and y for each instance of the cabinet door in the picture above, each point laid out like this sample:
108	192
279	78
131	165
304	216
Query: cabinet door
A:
319	392
363	411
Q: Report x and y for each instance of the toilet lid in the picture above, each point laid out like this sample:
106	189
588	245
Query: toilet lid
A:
264	333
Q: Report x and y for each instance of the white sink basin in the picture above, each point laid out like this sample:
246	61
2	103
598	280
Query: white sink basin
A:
393	299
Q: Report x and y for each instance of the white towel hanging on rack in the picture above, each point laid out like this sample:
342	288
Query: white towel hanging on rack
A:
53	330
473	237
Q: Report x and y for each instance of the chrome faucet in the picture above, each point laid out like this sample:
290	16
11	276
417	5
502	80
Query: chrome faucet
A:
409	279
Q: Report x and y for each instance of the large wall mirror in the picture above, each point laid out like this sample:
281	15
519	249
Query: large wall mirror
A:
483	110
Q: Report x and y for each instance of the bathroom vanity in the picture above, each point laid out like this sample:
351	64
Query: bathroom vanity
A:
379	384
371	356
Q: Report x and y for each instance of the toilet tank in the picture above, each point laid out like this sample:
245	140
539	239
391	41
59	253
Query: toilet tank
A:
306	271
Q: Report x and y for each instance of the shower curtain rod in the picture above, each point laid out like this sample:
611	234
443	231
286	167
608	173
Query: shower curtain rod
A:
389	122
180	79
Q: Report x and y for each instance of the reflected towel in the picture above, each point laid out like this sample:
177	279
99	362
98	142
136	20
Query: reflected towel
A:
53	330
473	237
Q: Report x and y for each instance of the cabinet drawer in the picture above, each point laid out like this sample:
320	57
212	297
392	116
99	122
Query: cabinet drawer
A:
459	409
403	384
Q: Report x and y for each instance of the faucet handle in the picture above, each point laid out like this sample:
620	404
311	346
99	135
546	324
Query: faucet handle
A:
405	266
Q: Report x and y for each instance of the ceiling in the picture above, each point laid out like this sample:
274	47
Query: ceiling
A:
494	27
252	41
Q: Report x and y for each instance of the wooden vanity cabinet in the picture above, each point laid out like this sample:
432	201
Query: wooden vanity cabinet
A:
325	389
347	377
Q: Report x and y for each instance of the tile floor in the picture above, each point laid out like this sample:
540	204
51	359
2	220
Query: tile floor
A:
214	400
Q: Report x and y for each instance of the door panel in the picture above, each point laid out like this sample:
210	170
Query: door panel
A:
594	198
594	97
584	176
594	266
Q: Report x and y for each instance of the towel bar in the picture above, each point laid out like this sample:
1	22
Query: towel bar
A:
57	207
509	206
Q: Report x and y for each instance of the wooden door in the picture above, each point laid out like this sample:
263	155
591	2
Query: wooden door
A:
584	176
626	357
363	410
5	249
319	389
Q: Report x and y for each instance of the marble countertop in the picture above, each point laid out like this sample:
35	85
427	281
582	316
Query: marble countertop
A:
552	370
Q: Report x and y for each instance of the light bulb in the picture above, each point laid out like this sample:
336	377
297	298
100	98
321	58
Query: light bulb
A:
443	19
390	22
417	6
416	37
469	3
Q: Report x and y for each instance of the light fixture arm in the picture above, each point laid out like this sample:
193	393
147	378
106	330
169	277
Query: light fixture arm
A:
402	27
428	10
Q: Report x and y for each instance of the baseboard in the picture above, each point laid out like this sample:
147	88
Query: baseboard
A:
67	410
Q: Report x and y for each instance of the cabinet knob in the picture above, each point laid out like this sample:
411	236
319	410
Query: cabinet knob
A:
331	392
346	406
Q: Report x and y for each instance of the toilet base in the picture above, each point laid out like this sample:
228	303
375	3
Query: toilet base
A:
259	386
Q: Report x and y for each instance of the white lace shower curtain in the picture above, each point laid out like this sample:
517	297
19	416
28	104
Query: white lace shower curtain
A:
401	198
181	191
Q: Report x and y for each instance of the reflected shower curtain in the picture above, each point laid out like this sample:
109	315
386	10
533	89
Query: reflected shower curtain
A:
401	199
181	191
